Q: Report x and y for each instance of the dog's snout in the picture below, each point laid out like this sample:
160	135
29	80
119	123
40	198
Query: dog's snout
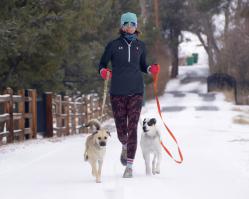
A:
102	143
144	129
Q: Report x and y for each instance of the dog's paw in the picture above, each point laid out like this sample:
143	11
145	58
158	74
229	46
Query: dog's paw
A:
148	173
156	171
98	181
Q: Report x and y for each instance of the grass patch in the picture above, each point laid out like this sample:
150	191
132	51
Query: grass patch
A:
229	95
241	119
239	109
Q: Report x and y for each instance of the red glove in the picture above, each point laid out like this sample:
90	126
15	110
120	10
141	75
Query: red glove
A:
154	69
103	73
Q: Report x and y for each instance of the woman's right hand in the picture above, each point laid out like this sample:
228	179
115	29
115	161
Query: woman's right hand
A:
104	71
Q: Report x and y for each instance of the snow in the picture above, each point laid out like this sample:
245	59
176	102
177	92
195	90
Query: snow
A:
191	44
215	151
218	21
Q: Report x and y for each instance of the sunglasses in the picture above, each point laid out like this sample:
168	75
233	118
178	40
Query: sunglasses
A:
131	24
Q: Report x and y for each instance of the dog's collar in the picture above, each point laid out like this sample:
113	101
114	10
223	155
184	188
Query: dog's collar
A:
153	137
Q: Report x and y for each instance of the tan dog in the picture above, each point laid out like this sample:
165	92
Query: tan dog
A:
96	148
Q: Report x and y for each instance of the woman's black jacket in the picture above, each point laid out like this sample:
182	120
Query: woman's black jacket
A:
128	62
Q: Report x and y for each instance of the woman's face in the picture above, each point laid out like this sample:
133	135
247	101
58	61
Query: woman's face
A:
129	27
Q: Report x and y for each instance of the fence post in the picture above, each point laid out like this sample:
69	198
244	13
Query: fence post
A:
67	111
85	111
33	126
94	106
58	112
9	109
98	104
49	114
82	116
21	109
73	116
91	107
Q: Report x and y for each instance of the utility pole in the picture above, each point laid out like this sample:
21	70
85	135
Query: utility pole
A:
143	11
156	13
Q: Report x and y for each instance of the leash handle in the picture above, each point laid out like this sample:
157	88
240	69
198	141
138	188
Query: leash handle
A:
155	82
104	94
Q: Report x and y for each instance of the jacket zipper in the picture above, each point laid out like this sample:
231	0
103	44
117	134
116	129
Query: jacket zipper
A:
129	53
129	50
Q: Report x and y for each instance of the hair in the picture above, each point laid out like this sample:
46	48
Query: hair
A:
137	32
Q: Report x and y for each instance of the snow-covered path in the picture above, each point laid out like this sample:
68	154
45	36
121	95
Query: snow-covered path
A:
215	150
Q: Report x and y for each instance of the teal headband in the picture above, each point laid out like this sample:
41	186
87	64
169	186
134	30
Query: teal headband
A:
128	17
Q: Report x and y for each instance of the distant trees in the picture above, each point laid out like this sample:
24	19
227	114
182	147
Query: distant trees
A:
234	48
221	25
225	23
56	45
31	49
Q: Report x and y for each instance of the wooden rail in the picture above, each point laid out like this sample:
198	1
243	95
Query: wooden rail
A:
16	123
63	115
71	114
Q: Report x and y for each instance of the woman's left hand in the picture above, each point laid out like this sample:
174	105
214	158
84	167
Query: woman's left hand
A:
154	69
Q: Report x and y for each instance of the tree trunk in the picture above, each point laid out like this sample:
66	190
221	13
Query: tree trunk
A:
212	47
174	61
156	12
174	44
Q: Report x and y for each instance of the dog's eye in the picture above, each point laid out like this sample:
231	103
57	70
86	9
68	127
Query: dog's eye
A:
99	138
105	138
150	123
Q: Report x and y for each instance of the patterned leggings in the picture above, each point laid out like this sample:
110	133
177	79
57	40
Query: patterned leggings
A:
126	111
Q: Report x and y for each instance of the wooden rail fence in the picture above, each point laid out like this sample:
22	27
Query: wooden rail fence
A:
18	123
63	115
71	114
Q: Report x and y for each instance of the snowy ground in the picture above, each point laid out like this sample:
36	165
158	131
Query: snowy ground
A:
215	150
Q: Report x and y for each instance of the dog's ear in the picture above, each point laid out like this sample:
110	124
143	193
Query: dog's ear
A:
152	121
108	133
144	121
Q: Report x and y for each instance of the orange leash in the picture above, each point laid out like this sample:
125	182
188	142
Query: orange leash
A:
155	81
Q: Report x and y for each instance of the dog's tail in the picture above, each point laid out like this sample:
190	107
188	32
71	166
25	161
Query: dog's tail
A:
94	122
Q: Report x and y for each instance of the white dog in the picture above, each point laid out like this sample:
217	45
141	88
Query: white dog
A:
150	144
96	148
